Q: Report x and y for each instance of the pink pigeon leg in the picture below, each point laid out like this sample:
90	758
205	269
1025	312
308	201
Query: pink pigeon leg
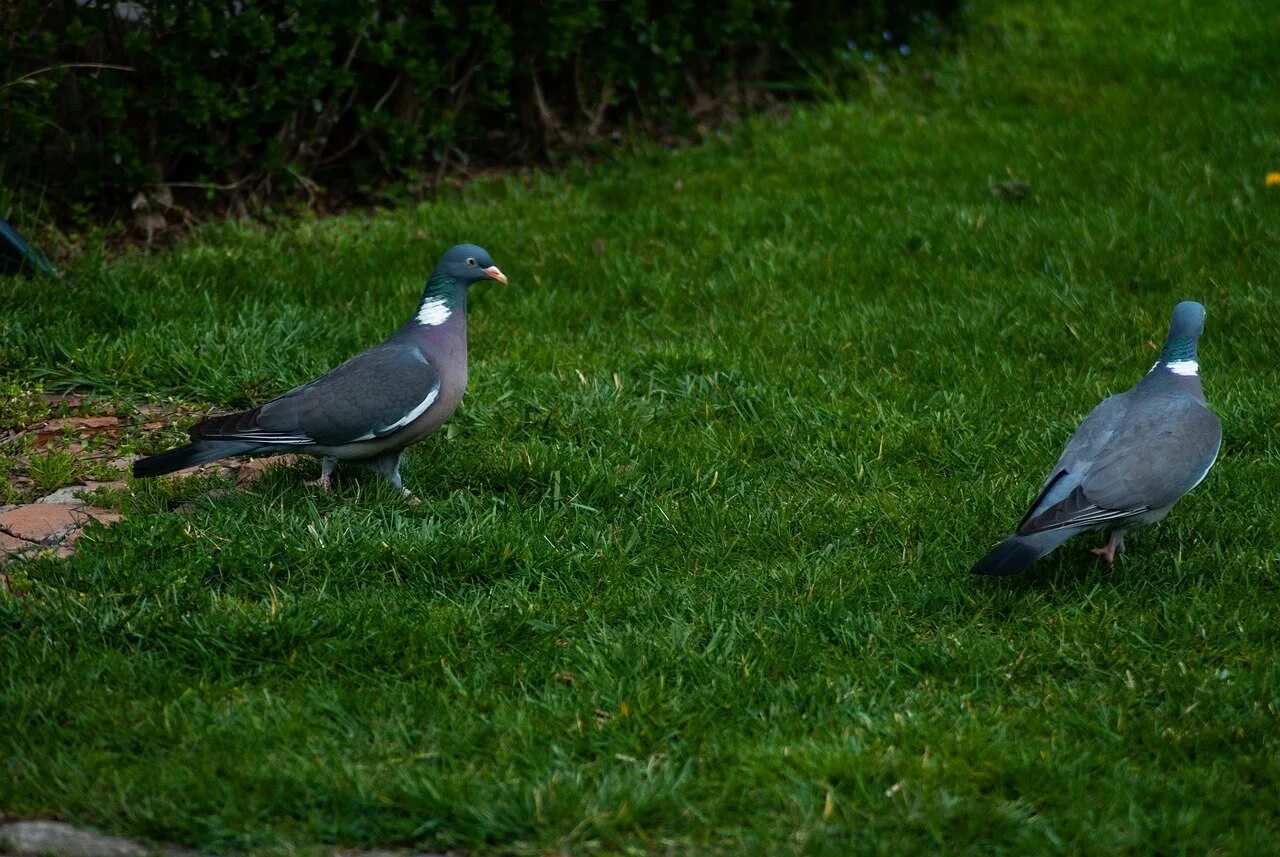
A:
1114	545
326	473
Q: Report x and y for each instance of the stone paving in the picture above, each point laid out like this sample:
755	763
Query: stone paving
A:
57	838
53	523
43	838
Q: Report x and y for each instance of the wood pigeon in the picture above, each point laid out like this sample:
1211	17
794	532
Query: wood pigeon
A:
1131	459
371	407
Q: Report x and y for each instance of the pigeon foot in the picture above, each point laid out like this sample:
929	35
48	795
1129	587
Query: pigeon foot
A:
326	473
1114	545
411	498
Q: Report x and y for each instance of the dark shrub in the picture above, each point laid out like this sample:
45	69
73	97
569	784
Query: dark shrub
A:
262	97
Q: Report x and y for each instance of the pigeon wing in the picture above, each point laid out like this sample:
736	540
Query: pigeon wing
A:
1150	459
372	395
1090	438
1158	458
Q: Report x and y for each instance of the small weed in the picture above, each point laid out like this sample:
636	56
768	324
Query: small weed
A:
53	470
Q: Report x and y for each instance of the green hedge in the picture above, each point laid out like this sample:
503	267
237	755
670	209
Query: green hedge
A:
260	98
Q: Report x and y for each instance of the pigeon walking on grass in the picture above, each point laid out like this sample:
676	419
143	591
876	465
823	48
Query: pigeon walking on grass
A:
1131	459
371	407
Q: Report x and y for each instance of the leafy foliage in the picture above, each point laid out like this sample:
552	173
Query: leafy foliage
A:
102	99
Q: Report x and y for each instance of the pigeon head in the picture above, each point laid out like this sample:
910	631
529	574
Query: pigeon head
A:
461	267
1179	353
469	264
1187	321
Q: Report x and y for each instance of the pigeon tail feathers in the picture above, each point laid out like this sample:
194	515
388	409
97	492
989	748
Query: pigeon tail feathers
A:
1016	553
200	452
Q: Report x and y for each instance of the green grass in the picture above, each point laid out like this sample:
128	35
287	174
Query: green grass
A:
691	573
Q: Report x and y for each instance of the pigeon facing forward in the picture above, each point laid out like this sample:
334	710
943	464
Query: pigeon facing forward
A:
371	407
1131	459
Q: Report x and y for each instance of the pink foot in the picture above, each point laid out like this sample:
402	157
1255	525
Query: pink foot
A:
325	482
1111	548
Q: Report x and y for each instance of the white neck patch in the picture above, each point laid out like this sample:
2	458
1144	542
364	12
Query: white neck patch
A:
1183	367
433	312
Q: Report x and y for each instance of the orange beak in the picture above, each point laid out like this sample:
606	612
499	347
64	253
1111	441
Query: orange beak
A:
495	274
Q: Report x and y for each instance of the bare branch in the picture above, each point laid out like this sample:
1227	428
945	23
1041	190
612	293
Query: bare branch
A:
50	68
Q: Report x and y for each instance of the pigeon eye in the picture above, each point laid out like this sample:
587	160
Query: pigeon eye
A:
471	260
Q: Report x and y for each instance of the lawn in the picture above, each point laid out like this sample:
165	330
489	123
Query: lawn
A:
691	570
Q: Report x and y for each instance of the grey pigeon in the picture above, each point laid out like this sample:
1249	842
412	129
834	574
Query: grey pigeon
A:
1131	459
371	407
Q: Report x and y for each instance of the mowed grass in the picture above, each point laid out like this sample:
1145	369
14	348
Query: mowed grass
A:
691	570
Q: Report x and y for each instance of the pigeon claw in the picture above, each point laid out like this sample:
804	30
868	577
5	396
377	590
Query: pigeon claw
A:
1114	545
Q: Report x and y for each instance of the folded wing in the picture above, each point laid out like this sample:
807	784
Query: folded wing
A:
372	395
1150	457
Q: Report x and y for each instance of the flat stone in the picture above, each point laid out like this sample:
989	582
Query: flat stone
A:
35	838
9	544
52	523
80	424
69	494
46	442
46	523
71	400
72	493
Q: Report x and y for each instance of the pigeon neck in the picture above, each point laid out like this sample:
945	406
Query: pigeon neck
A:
443	304
1179	349
1178	366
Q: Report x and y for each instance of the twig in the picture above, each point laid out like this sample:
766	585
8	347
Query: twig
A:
12	437
360	135
549	120
328	118
461	84
207	185
49	68
606	96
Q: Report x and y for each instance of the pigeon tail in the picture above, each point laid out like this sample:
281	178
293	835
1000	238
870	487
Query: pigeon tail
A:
200	452
1016	553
